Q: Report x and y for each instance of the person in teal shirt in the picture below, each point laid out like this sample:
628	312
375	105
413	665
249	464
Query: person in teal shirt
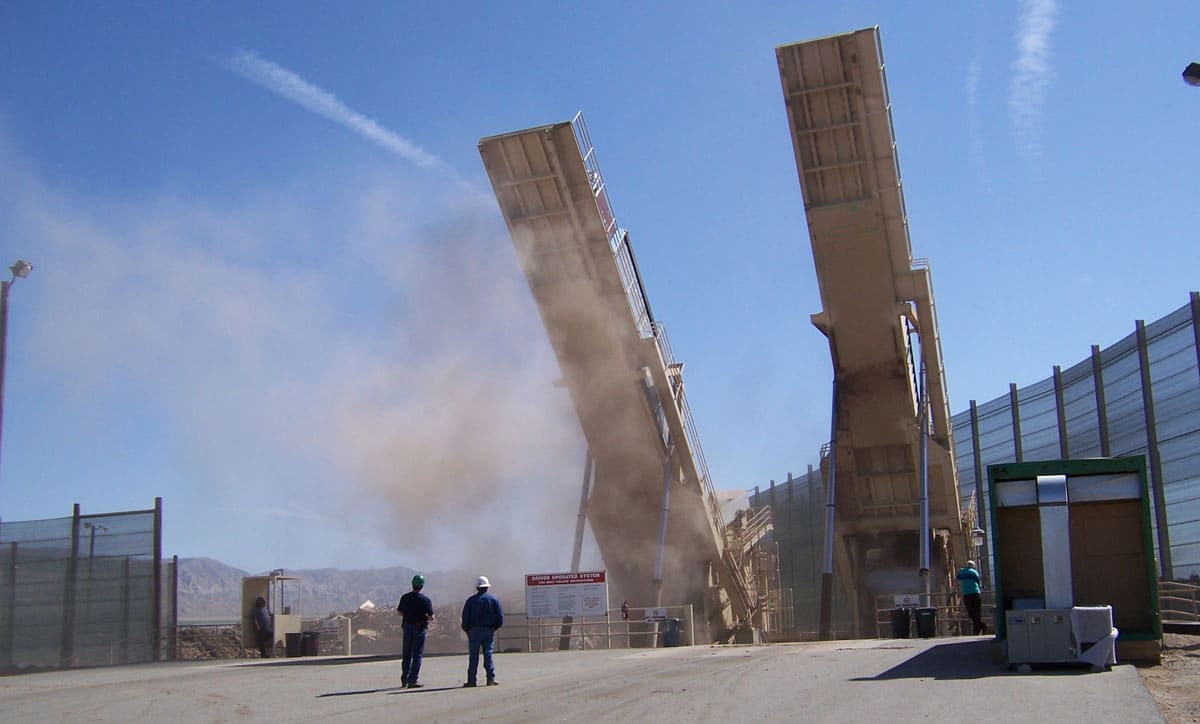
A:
969	579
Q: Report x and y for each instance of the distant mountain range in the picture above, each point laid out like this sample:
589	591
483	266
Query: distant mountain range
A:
212	591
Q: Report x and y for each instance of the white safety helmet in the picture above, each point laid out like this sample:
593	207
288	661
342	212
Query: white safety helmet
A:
483	582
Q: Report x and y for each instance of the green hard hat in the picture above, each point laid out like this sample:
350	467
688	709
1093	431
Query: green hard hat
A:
418	581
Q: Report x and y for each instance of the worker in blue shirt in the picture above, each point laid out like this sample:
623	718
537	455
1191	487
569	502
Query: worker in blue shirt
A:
481	616
968	577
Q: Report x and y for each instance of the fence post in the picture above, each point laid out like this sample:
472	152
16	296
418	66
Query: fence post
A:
158	592
67	645
10	618
173	633
691	626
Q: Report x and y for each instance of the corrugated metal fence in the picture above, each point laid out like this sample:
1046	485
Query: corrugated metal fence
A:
88	590
1139	396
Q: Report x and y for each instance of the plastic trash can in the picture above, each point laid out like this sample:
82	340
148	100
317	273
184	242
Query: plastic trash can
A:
926	622
900	622
295	644
312	643
670	634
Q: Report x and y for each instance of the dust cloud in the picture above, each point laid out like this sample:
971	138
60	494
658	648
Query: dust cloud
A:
466	439
347	373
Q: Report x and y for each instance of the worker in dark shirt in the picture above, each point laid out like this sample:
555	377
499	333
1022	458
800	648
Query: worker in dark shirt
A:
264	636
481	616
416	611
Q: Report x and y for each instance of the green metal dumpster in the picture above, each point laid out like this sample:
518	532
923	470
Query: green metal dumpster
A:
926	622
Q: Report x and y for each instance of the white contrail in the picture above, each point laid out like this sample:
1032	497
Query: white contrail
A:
974	126
1032	73
280	80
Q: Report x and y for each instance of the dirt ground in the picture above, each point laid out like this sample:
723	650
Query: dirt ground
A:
1175	684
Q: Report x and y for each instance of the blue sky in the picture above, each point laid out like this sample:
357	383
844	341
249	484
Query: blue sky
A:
273	287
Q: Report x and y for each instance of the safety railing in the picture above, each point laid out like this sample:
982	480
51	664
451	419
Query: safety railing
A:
689	430
609	632
640	309
584	140
618	238
634	294
951	618
749	528
1179	601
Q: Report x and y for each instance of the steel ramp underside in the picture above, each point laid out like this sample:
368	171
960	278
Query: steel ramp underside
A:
873	297
626	395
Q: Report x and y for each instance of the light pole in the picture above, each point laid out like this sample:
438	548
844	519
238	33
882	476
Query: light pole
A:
978	535
92	542
20	269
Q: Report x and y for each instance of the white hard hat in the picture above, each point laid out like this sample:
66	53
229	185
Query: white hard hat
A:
483	582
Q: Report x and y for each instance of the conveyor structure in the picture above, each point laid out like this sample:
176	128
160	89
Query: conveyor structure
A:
626	387
878	315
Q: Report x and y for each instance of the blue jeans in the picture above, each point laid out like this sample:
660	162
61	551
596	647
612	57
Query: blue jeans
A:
414	648
480	638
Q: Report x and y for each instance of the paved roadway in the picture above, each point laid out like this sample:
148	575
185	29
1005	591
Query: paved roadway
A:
949	680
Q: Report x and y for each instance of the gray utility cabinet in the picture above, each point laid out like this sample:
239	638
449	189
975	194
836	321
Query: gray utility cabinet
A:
1039	635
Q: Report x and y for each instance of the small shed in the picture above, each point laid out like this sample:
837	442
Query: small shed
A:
282	594
1077	533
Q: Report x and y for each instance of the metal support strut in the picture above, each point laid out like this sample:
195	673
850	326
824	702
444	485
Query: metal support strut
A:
825	632
564	641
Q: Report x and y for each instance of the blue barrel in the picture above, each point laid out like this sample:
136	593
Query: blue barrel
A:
670	634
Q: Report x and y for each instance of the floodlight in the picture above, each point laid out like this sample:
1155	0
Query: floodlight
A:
1191	74
21	268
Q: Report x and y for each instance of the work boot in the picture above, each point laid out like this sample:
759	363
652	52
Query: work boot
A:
493	682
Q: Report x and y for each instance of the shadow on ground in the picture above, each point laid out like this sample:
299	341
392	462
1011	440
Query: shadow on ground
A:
965	660
388	690
360	691
334	660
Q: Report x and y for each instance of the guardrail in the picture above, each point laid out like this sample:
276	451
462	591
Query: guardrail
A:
636	296
951	618
609	632
1179	601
